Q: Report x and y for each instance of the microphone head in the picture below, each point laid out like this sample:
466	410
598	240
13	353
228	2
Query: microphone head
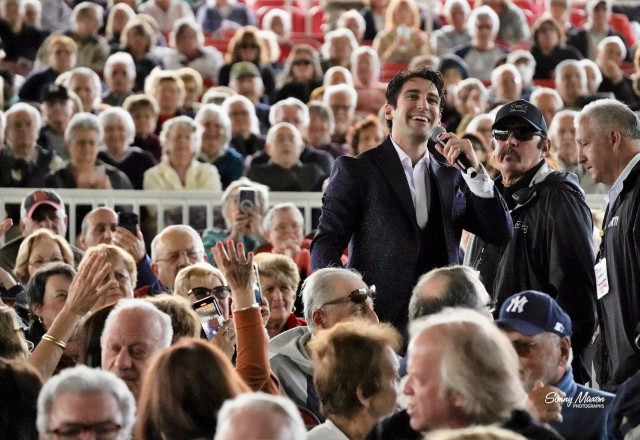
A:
436	132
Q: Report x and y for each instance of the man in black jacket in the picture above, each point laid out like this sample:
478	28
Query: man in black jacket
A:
551	247
608	135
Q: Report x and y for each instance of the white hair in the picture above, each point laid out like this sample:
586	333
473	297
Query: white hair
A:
85	71
213	111
375	60
484	12
83	121
276	12
24	107
186	22
325	50
117	113
541	91
475	122
183	122
570	63
249	106
120	58
352	13
142	307
318	288
615	40
446	9
586	62
274	128
84	380
293	429
498	71
81	9
329	73
184	228
340	88
274	117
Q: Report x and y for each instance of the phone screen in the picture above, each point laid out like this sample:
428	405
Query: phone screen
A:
246	200
257	290
208	312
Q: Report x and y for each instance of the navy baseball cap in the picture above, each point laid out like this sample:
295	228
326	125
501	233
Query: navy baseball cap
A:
520	110
531	313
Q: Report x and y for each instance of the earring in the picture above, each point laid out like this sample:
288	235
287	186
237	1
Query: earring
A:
293	309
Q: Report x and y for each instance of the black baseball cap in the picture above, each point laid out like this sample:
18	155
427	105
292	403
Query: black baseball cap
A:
520	110
37	198
54	92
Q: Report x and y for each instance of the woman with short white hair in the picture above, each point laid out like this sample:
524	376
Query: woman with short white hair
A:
181	138
216	148
119	132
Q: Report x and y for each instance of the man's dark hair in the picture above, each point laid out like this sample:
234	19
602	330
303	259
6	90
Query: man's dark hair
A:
395	85
460	291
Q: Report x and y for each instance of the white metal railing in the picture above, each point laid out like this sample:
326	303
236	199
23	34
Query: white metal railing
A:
162	200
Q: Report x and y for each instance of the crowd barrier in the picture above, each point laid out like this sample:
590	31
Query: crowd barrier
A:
162	200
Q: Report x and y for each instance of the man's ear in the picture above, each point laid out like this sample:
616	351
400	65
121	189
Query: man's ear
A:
23	227
81	241
267	235
319	319
546	148
388	112
154	268
616	140
565	351
364	401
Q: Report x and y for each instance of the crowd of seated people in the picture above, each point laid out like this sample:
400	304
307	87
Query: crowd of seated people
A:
196	325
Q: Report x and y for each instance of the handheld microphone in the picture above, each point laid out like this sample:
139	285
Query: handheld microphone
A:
461	160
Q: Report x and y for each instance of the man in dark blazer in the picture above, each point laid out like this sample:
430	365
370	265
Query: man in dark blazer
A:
400	212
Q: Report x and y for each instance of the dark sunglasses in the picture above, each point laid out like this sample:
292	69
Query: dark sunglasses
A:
521	134
523	348
357	296
220	292
301	63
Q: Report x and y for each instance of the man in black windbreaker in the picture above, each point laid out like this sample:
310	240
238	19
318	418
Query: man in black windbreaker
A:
608	135
551	247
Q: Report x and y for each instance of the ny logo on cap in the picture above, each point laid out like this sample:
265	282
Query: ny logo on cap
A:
518	108
516	305
559	327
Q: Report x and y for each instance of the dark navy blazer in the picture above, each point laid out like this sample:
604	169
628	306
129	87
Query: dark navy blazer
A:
368	206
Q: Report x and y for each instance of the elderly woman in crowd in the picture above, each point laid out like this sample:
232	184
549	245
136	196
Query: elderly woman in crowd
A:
181	138
144	112
86	21
482	54
402	39
284	230
455	33
138	39
242	226
61	54
183	390
168	90
514	27
86	84
245	127
549	47
117	18
320	129
365	68
302	74
279	279
248	45
610	54
83	137
63	300
193	87
187	40
119	76
352	20
284	171
216	148
355	374
337	49
119	132
222	16
367	134
122	270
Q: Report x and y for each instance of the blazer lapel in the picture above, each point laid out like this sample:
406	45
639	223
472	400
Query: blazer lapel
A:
386	158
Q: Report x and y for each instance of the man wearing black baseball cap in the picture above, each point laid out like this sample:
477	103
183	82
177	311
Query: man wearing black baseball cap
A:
540	332
551	247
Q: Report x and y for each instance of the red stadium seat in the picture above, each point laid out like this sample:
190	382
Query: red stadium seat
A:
389	70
